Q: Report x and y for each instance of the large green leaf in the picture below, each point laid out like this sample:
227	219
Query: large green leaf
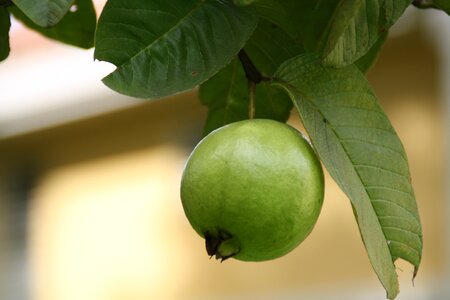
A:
163	47
363	154
355	27
306	21
341	31
5	24
44	13
227	96
283	14
76	28
271	45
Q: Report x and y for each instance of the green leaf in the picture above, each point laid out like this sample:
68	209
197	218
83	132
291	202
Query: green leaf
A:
285	14
271	45
163	47
44	13
368	60
5	24
341	31
364	155
245	2
306	21
355	27
227	96
272	103
443	5
76	28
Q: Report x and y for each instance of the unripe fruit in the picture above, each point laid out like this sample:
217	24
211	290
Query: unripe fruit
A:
253	189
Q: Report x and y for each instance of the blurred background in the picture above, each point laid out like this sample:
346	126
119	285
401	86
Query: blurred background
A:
89	181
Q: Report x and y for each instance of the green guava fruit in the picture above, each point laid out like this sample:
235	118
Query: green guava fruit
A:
253	189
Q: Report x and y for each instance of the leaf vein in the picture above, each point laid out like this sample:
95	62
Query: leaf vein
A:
382	169
406	245
375	144
396	204
364	127
174	27
129	26
402	229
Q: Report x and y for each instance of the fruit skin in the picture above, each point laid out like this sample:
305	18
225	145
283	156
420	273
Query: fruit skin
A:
254	189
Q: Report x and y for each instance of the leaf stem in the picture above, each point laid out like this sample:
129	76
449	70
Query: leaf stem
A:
251	99
254	77
251	72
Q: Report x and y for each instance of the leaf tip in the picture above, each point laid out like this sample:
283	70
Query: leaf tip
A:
392	294
416	269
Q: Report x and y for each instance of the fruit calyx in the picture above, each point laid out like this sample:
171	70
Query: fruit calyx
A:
221	245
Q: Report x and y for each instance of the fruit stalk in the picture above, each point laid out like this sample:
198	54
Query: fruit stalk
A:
251	72
254	77
251	99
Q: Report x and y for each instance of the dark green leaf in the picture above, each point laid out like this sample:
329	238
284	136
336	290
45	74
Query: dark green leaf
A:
270	45
283	14
443	4
341	31
76	28
305	21
272	103
227	96
245	2
368	60
363	154
44	13
308	22
355	27
163	47
5	24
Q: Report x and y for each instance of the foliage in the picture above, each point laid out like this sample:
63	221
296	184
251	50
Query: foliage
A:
261	58
76	27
